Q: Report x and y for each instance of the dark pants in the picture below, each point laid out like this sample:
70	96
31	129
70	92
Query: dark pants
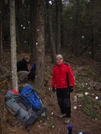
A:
64	101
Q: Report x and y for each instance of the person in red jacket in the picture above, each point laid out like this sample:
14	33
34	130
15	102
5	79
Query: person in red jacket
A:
63	83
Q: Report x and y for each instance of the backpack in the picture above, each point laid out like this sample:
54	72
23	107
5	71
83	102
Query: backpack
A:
30	96
18	108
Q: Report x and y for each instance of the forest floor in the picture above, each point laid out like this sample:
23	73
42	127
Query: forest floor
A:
85	100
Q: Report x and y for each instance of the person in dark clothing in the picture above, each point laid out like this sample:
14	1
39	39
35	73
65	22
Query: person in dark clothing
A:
22	69
63	83
22	65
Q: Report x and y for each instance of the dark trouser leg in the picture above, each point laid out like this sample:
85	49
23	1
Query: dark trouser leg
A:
64	102
67	104
61	105
67	107
61	101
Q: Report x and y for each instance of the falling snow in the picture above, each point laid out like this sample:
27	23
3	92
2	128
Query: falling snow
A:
50	2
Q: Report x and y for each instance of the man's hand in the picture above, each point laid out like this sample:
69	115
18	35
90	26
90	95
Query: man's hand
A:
71	89
53	89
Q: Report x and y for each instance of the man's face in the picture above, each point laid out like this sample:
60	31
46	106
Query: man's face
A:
27	60
59	61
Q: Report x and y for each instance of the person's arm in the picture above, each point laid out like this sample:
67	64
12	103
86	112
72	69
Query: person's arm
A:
25	65
70	76
70	79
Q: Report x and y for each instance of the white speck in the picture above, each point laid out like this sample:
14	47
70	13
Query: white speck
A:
86	83
96	97
75	107
23	27
82	36
71	17
28	22
25	41
80	105
36	43
53	126
75	98
86	93
52	113
38	30
36	76
89	52
50	2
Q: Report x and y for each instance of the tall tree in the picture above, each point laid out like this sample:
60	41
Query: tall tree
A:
40	44
1	45
13	45
76	31
58	25
17	12
33	30
51	34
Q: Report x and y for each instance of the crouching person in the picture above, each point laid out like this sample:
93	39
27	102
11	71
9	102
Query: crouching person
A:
63	83
22	69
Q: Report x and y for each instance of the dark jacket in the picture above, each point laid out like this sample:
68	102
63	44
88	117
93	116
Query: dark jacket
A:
22	65
59	77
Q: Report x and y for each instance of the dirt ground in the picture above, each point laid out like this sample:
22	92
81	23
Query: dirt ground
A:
52	125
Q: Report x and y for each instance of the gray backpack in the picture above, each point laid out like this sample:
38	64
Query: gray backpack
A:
17	107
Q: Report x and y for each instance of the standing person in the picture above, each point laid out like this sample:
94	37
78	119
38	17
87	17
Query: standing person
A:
63	83
22	68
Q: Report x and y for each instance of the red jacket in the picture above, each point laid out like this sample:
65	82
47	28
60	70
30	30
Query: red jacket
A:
59	76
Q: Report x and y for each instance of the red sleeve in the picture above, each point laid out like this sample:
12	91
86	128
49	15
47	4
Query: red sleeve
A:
70	76
53	78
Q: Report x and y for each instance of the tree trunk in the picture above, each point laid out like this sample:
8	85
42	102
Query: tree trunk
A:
17	26
52	42
76	32
6	1
47	37
13	45
92	33
58	26
18	38
33	30
1	45
40	44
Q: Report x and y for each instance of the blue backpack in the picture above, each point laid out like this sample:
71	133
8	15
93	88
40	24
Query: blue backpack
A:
30	96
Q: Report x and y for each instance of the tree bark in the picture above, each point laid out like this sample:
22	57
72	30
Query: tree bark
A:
33	30
17	26
1	45
13	45
58	26
76	32
40	44
52	42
